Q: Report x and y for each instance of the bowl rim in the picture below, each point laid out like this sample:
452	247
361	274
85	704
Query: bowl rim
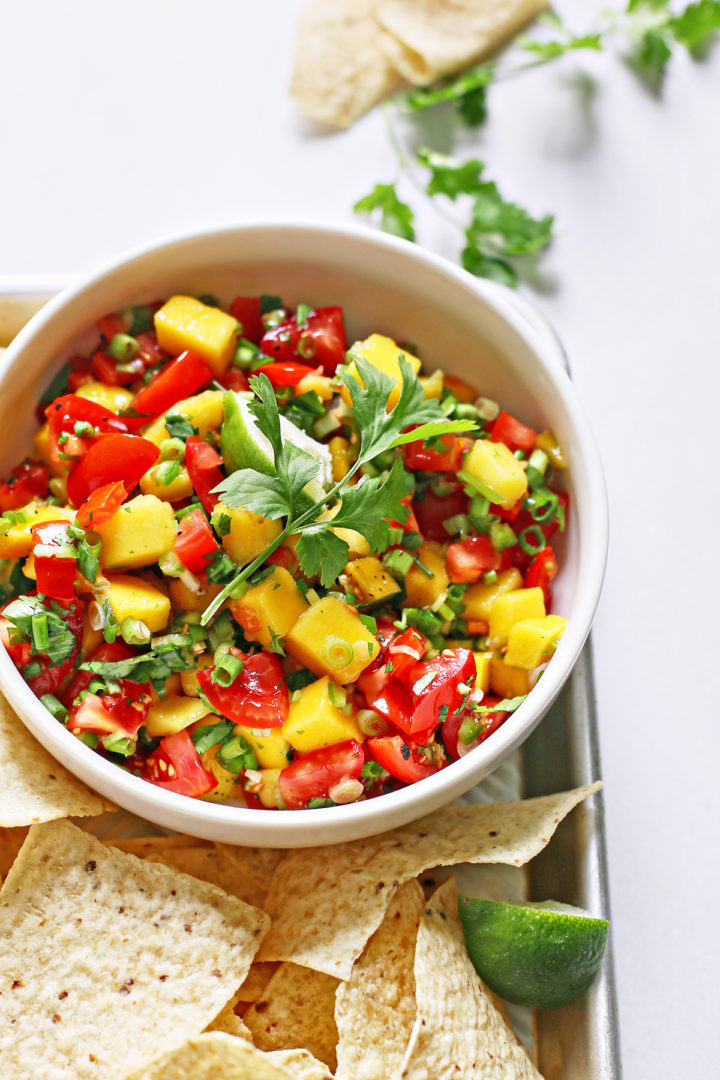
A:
338	823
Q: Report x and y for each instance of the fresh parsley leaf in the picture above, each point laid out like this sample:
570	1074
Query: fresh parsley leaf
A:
156	665
563	43
503	228
475	262
697	24
450	177
179	427
264	408
472	107
396	217
262	494
321	552
369	506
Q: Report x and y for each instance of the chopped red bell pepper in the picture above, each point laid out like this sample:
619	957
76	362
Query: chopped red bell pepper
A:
150	352
541	572
68	410
431	510
203	466
176	766
314	775
115	457
257	698
102	504
27	481
417	456
195	543
468	560
234	379
285	372
320	340
405	650
176	381
105	367
246	309
110	325
516	435
55	574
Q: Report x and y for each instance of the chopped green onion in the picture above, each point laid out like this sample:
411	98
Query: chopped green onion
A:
222	569
123	347
395	535
221	631
502	535
519	455
465	411
543	505
337	695
487	408
272	319
134	631
170	564
307	346
325	425
210	735
236	755
111	625
413	540
83	429
117	743
40	632
441	487
469	730
54	706
398	562
447	612
301	315
172	449
89	738
371	770
88	559
245	353
421	566
539	461
489	577
473	487
31	670
371	723
457	524
227	670
532	540
166	472
479	509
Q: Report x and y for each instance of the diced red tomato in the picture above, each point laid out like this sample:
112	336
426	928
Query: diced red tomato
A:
246	309
80	374
452	668
281	556
417	456
541	572
108	714
176	381
107	653
105	367
257	698
102	504
234	379
393	701
463	391
20	653
432	510
203	466
285	372
116	457
405	650
516	435
468	560
27	481
450	729
150	352
55	574
175	766
110	325
314	775
401	758
195	543
66	411
321	340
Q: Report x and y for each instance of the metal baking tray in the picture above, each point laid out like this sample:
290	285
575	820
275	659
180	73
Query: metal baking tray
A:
579	1041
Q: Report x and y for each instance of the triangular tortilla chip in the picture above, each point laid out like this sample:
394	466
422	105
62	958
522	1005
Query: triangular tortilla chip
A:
36	787
458	1030
214	1056
106	959
296	1010
326	902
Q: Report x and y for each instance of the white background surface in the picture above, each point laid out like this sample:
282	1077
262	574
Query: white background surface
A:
122	123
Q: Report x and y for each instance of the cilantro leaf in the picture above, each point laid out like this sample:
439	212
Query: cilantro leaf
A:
450	177
257	492
475	262
467	91
264	408
370	505
155	665
210	735
296	468
321	552
58	640
472	107
396	217
179	427
697	24
563	43
506	705
503	228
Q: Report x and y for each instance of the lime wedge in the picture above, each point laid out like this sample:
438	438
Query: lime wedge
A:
541	955
243	445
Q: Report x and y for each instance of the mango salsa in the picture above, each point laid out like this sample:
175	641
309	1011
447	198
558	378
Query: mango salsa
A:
498	475
174	713
533	641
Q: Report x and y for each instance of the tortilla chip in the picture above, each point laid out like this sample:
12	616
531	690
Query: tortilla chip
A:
259	864
231	1021
340	69
426	39
326	902
300	1064
297	1010
458	1030
214	1056
227	1020
108	959
36	787
208	864
143	846
11	840
375	1009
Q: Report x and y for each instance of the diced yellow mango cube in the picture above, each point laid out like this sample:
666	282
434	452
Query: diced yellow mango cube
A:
132	598
499	475
547	442
482	663
41	441
314	721
507	681
433	384
138	533
250	534
204	411
513	607
17	541
174	713
424	586
178	489
370	581
269	791
268	610
330	639
186	323
532	641
227	782
479	598
189	678
384	354
321	384
341	457
172	686
113	398
271	747
184	599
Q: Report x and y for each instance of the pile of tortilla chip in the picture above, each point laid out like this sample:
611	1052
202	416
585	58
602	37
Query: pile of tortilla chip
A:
151	957
350	54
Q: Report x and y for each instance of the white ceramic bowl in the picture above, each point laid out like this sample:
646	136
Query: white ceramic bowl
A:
467	326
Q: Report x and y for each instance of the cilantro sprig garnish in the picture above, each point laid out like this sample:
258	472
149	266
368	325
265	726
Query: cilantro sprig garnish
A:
44	624
497	231
368	506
